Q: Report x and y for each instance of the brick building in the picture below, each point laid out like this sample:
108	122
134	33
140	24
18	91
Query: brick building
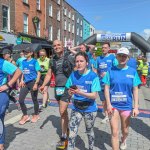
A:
54	19
68	24
47	19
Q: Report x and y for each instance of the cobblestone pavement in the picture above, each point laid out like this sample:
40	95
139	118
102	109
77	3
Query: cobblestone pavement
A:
45	133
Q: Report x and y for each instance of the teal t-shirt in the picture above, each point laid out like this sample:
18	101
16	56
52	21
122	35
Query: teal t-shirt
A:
8	69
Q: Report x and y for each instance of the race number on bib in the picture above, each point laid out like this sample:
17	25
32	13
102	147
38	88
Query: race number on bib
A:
60	91
117	97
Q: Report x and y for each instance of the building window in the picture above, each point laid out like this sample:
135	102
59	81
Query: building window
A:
58	15
58	2
80	33
65	25
50	10
65	41
65	11
72	42
25	23
72	28
58	34
78	20
81	23
77	31
69	27
69	14
38	29
5	17
72	17
38	4
50	33
25	1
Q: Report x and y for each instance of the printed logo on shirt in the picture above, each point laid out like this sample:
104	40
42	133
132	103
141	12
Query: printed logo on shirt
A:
129	76
88	82
82	88
109	60
103	65
31	65
26	71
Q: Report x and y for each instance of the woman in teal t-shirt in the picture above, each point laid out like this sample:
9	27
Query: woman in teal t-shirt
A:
83	85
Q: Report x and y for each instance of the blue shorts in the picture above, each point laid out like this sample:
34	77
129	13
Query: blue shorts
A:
102	95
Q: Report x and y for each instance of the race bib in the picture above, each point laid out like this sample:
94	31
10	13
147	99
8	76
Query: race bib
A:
26	71
103	66
60	91
117	97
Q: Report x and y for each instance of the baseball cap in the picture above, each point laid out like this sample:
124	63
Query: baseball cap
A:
6	51
28	49
123	50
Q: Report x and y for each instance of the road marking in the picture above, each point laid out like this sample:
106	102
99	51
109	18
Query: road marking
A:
13	120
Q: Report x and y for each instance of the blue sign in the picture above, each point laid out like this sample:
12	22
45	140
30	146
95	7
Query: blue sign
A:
19	41
114	37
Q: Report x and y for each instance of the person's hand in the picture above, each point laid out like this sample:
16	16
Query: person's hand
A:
73	91
3	88
22	84
110	109
135	112
35	87
42	88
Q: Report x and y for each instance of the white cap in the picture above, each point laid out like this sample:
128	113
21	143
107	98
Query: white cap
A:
123	50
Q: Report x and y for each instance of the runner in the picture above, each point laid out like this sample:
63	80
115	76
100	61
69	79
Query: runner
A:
83	84
29	82
121	86
5	69
104	62
62	65
44	63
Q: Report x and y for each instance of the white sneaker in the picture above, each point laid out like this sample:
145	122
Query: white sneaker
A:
123	146
105	120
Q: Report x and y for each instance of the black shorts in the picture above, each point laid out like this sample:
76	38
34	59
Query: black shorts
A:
64	97
42	80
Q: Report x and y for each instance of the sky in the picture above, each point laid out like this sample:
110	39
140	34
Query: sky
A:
116	16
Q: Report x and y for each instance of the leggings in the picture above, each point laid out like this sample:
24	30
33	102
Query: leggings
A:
75	119
23	93
4	100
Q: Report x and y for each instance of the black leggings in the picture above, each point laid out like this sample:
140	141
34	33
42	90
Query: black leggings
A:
23	93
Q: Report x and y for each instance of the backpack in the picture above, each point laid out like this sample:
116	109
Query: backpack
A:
67	65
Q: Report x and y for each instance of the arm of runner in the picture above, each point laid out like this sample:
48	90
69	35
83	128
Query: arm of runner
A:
94	89
135	111
12	81
37	81
73	50
46	79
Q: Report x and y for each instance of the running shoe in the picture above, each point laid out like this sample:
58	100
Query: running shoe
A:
44	105
123	145
62	144
24	119
35	118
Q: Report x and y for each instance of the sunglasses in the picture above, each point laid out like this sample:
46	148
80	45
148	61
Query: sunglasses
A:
122	55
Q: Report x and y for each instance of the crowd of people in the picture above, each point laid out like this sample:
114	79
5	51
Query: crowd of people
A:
80	77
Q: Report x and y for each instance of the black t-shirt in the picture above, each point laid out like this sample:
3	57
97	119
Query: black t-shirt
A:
59	74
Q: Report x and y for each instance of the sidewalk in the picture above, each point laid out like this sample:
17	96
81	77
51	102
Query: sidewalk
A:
45	133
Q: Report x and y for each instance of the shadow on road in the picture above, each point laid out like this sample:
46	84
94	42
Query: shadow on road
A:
101	138
140	127
55	122
147	100
11	133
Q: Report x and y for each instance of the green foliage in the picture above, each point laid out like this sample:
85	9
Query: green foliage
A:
99	49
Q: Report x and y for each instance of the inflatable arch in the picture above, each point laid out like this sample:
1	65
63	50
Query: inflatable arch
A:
132	37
